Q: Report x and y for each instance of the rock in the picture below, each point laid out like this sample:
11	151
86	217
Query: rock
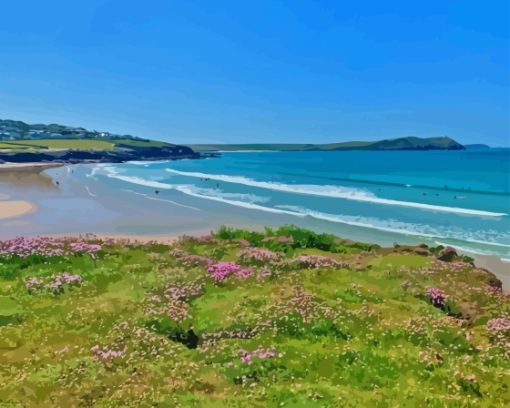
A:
422	251
447	254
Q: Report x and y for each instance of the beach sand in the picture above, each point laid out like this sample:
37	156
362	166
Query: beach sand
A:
10	208
8	166
56	203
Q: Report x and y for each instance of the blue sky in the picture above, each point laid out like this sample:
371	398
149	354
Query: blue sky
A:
260	71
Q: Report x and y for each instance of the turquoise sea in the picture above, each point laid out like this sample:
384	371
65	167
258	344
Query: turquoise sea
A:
460	198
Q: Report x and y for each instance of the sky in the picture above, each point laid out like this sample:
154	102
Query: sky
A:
260	71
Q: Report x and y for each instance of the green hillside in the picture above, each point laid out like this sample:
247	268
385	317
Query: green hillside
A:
22	142
243	319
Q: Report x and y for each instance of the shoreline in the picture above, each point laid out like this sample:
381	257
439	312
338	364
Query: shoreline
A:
28	166
90	207
490	263
16	208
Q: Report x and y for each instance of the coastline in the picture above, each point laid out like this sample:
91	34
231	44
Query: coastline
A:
28	166
16	208
63	200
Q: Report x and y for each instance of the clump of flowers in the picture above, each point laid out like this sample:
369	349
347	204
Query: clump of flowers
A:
63	279
242	242
220	271
498	326
189	260
56	284
437	297
260	353
105	354
33	284
316	262
183	292
24	247
260	255
172	302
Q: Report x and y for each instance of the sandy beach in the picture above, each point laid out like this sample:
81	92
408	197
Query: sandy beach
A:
37	200
9	166
10	208
10	173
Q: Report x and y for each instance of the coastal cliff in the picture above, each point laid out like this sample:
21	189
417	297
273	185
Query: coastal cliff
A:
23	143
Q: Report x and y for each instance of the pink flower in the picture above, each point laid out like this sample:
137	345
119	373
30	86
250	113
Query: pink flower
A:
499	325
437	296
44	246
106	355
33	283
260	353
317	261
222	270
259	255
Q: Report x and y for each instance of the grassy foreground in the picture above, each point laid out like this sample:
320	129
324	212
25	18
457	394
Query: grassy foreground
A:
244	319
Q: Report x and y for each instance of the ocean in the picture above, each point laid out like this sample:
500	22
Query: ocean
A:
458	198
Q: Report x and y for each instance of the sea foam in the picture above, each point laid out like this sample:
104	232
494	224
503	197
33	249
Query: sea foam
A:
334	192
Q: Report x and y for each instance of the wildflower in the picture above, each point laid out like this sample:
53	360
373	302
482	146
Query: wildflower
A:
222	270
317	261
499	325
33	283
259	255
260	353
437	296
106	355
24	247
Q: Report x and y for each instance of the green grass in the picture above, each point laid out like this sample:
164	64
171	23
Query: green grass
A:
139	143
363	334
13	146
75	144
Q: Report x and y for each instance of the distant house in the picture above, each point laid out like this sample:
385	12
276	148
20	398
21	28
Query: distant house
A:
38	135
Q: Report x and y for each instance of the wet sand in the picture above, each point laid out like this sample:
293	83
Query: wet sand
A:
10	208
8	166
62	201
498	267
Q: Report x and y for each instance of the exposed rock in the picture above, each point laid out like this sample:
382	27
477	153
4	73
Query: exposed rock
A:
117	156
447	254
422	251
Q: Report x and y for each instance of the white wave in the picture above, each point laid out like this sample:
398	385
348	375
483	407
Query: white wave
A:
98	167
162	199
147	163
247	151
88	191
142	182
392	226
251	198
333	192
190	190
471	250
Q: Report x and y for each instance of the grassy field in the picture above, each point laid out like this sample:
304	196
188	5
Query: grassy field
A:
80	144
76	144
242	319
140	143
12	146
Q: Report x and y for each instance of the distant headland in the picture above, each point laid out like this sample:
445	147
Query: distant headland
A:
38	143
403	143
